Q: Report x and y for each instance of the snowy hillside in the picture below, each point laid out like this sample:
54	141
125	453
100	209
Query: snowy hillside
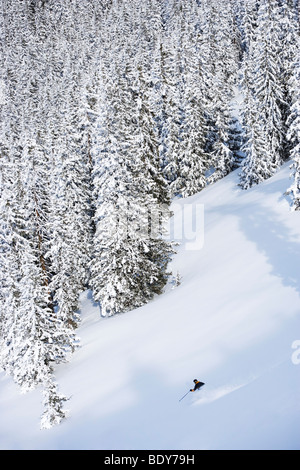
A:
231	323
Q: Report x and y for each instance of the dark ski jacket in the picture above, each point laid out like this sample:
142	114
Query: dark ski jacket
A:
197	385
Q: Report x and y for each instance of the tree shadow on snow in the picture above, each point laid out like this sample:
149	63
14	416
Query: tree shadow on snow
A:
272	238
275	241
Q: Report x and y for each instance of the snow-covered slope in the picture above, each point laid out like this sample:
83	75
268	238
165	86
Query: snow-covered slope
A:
231	324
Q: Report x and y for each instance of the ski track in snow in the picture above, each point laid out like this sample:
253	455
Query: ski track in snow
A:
210	394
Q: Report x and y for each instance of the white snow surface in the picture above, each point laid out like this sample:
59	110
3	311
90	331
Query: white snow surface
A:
231	324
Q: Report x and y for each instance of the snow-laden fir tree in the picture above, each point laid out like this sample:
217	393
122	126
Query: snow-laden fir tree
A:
53	403
288	39
184	104
34	324
248	20
32	337
70	222
168	87
41	337
129	260
294	129
192	159
264	119
10	246
221	52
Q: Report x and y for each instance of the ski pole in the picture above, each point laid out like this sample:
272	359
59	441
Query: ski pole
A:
184	395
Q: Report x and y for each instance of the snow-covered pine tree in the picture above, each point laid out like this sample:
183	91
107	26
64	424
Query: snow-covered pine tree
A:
248	21
53	404
147	172
64	284
32	338
9	261
69	225
185	112
166	85
117	270
288	39
254	169
127	267
169	114
34	324
145	143
41	338
192	159
294	128
264	120
222	51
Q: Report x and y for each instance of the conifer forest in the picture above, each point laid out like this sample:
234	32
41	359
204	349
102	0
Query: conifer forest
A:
109	110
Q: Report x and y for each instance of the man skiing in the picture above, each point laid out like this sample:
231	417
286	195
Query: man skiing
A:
197	385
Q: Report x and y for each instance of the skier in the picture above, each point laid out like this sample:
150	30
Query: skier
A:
197	385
